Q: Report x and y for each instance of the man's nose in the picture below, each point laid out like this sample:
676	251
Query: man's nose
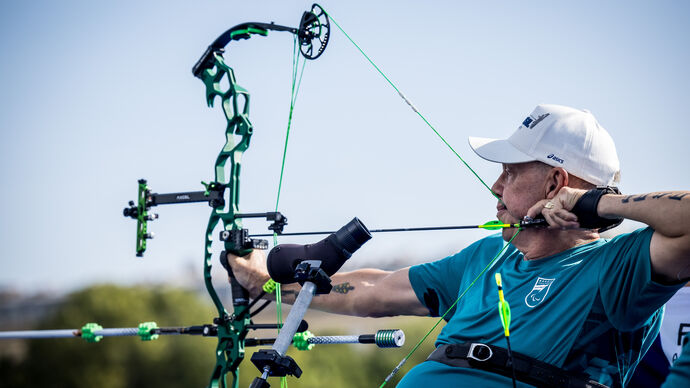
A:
497	187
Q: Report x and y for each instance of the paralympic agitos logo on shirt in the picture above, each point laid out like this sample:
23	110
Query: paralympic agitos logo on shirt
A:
539	292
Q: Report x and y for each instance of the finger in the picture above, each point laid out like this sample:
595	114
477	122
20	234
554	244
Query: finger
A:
566	216
560	218
234	260
550	218
537	208
564	219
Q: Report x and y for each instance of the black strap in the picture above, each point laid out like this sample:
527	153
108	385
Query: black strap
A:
495	359
586	209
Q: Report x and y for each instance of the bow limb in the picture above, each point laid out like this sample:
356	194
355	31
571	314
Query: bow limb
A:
232	329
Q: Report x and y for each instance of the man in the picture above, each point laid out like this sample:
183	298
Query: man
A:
666	349
579	303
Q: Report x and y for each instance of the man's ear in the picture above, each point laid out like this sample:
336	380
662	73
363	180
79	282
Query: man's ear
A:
555	180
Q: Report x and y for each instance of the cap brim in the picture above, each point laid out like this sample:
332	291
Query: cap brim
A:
498	150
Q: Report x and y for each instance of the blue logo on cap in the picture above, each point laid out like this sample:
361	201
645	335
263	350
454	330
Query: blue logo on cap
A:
530	122
556	158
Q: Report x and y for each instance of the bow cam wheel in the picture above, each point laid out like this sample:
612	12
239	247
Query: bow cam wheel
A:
314	30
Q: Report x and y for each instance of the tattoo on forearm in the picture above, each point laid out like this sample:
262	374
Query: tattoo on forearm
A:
343	288
639	198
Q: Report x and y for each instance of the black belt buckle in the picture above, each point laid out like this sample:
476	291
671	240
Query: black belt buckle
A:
479	352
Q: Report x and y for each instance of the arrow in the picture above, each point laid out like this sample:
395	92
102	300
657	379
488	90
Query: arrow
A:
491	225
504	311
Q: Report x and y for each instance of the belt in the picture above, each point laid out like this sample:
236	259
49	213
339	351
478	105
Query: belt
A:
495	359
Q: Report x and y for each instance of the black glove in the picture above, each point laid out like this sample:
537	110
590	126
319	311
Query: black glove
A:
586	209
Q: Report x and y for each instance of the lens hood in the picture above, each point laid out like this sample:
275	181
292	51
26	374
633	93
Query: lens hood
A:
332	251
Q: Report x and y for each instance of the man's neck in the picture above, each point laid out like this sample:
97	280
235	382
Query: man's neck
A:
537	244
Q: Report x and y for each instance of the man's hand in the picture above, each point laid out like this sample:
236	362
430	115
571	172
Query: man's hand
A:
558	210
364	292
665	212
250	271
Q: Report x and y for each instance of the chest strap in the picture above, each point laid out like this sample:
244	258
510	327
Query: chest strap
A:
495	359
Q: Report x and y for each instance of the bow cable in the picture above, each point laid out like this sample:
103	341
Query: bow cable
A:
296	83
408	102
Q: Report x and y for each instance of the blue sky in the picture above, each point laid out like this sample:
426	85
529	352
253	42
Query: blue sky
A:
95	95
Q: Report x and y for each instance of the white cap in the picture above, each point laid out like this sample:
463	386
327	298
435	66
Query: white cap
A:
561	137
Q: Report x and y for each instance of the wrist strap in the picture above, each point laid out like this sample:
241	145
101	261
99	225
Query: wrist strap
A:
586	209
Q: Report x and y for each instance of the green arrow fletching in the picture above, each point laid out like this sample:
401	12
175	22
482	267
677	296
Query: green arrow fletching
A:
504	310
496	225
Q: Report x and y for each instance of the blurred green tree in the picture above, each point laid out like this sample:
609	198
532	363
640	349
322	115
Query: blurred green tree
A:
119	362
186	361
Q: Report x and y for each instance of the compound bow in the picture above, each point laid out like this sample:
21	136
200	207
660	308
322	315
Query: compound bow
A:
312	36
231	329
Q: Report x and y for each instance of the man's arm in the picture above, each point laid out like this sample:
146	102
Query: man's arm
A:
364	292
668	213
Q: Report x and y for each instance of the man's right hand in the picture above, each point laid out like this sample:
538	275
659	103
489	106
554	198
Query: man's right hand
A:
364	292
250	270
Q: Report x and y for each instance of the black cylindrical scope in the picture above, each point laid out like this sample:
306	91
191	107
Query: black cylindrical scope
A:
332	251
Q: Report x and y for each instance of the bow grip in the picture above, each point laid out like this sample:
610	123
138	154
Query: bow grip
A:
238	242
240	295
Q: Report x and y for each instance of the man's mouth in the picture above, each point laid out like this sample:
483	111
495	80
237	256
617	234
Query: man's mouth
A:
500	208
503	214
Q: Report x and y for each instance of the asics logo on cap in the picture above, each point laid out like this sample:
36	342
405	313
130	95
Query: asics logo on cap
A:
530	122
556	158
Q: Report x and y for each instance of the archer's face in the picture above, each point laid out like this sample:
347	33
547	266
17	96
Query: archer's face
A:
519	186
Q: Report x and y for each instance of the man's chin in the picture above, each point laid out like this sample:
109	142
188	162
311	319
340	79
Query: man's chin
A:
506	217
508	233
